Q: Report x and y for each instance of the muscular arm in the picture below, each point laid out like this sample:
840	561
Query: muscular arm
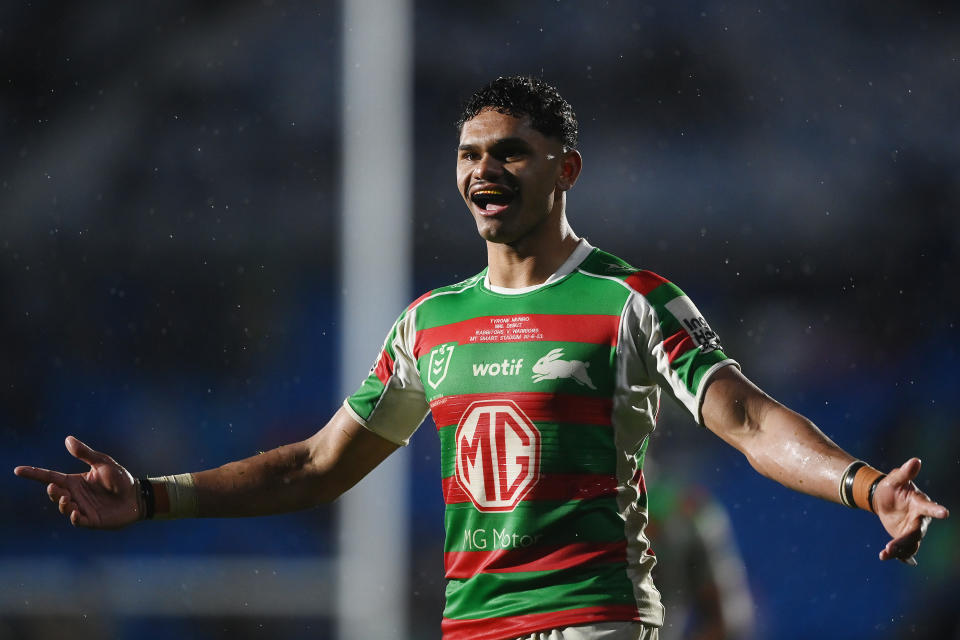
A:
294	476
788	448
779	443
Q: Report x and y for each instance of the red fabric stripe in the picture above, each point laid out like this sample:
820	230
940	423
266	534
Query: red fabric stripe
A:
419	300
644	281
554	486
590	329
678	344
640	482
384	368
516	626
461	565
539	407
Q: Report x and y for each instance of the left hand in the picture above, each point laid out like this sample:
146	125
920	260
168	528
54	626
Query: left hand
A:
905	511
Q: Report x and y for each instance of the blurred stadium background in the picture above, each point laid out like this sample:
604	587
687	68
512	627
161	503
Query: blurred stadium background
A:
170	199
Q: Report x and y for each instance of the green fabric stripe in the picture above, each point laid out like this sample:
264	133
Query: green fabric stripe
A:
580	295
641	454
564	522
463	284
510	594
659	297
388	343
364	400
460	377
605	264
692	365
565	448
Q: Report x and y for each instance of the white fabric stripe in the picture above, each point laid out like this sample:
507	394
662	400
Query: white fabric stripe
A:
402	403
402	399
600	631
634	419
610	278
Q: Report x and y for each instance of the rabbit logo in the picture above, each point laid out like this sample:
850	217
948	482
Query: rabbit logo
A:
551	367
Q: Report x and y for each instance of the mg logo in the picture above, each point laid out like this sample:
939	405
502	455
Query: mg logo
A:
498	454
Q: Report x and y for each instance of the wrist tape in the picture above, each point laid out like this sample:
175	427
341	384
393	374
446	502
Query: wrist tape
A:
174	497
857	485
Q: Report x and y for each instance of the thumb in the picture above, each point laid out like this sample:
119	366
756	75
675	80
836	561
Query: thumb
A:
906	472
81	451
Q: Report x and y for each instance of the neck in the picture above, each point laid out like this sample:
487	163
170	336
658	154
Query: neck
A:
532	259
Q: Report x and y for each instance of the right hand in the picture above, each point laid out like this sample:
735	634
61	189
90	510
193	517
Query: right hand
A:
105	497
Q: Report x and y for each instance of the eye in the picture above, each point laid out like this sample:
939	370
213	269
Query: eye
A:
513	153
469	156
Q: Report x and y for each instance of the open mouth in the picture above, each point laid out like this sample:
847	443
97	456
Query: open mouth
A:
492	200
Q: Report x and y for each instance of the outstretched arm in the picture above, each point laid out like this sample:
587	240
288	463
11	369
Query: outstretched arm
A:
786	447
294	476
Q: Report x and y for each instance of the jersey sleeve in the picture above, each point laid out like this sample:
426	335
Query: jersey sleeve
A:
391	401
678	348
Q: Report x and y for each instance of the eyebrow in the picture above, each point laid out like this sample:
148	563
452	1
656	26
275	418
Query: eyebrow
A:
499	143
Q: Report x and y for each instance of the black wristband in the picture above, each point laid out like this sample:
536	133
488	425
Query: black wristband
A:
873	488
149	502
846	483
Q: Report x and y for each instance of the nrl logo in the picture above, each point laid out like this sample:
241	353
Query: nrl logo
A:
439	363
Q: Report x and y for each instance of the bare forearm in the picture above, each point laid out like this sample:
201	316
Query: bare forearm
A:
790	449
292	477
779	443
276	481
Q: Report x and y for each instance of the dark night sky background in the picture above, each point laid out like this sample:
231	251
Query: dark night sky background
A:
169	195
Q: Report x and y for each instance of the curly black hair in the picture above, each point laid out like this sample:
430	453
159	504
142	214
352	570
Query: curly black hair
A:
525	96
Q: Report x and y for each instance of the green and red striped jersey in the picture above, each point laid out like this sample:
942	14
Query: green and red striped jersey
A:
544	399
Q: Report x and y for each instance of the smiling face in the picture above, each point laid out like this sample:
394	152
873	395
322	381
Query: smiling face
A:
511	176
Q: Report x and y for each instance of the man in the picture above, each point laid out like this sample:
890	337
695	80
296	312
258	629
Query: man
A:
543	374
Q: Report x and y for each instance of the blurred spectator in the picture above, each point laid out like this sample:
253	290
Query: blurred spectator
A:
699	571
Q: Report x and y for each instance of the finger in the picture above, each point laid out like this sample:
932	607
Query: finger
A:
934	510
56	492
78	519
73	513
41	475
909	560
906	472
902	547
81	451
65	505
900	554
930	509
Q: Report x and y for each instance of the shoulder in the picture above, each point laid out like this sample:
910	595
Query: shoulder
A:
606	265
440	292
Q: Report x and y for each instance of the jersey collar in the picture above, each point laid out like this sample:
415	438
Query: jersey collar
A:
579	255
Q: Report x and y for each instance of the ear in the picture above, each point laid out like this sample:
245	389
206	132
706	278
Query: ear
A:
570	167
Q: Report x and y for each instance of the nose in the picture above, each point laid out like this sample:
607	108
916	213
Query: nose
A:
487	167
